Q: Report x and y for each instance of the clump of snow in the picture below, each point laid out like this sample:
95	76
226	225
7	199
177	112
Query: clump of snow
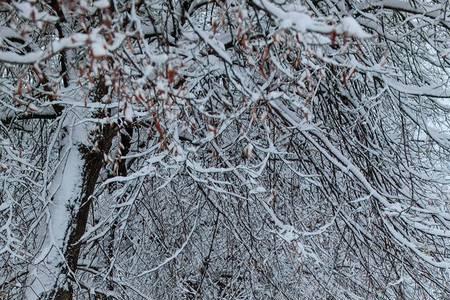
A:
351	27
28	11
101	3
160	59
98	49
128	112
258	190
7	32
296	20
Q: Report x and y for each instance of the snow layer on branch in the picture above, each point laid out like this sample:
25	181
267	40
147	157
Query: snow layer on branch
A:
350	27
426	90
7	32
302	22
215	44
28	11
93	40
101	3
297	20
14	58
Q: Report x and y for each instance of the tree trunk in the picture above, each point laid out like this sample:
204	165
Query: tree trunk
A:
93	165
67	213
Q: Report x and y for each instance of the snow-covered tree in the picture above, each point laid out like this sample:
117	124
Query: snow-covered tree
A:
224	149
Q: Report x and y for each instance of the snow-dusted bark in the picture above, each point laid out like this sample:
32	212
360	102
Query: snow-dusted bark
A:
67	207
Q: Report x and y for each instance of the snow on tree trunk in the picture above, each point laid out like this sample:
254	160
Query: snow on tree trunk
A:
68	209
46	271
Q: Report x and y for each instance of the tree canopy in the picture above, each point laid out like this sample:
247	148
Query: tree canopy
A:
224	149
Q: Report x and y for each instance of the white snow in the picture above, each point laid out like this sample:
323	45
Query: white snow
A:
215	44
297	20
7	32
14	58
64	190
98	49
101	3
28	11
95	40
351	27
128	112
